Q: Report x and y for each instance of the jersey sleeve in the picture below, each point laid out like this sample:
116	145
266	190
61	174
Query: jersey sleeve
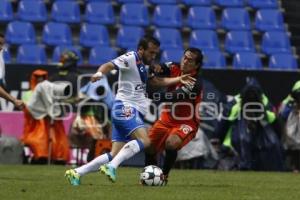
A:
124	61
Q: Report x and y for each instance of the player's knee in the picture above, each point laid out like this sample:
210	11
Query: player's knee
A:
172	143
146	142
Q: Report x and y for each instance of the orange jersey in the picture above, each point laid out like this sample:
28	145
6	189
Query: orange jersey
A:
183	107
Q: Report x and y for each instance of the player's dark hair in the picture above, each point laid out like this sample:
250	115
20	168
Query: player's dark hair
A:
144	42
198	53
2	35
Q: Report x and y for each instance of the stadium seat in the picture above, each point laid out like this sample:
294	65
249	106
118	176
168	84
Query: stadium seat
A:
275	42
239	41
18	32
99	55
269	20
93	34
33	11
167	16
235	19
55	33
263	4
130	1
98	0
230	3
163	1
128	37
169	38
100	12
6	11
283	61
139	17
59	12
171	55
201	18
197	2
7	56
247	60
31	54
58	50
214	59
204	39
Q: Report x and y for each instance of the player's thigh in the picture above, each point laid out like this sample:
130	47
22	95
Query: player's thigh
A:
180	136
116	147
158	134
173	141
141	134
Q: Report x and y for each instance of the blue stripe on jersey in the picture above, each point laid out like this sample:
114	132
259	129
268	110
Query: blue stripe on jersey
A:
141	68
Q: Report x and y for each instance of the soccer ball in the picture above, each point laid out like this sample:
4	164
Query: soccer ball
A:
151	176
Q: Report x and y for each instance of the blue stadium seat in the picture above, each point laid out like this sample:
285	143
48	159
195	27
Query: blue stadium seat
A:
99	55
239	41
235	19
163	1
33	11
58	50
18	32
230	3
204	39
129	36
93	34
276	42
7	56
214	59
169	38
201	18
247	60
263	4
172	55
100	12
6	11
139	17
283	61
197	2
268	20
66	11
55	33
130	1
167	16
31	54
98	0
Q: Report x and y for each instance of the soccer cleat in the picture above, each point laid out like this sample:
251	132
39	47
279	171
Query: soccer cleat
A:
73	177
164	179
109	171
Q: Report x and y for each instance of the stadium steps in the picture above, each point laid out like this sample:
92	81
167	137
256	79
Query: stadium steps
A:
292	17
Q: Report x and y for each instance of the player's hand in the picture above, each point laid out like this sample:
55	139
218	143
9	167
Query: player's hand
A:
157	68
187	80
97	76
19	104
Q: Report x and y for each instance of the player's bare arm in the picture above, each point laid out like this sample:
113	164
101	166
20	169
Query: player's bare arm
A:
18	103
103	69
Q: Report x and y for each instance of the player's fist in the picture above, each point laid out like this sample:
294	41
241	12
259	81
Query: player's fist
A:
97	76
19	104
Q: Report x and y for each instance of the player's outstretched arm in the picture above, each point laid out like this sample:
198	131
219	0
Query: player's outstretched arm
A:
103	69
18	103
185	79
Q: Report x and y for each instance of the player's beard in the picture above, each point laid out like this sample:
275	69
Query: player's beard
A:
146	61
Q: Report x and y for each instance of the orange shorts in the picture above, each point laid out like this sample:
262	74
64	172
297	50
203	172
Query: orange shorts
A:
160	131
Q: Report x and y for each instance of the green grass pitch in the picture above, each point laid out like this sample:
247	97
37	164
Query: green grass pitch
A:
24	182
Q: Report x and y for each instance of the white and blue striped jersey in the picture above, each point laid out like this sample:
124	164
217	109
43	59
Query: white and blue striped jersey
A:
132	81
